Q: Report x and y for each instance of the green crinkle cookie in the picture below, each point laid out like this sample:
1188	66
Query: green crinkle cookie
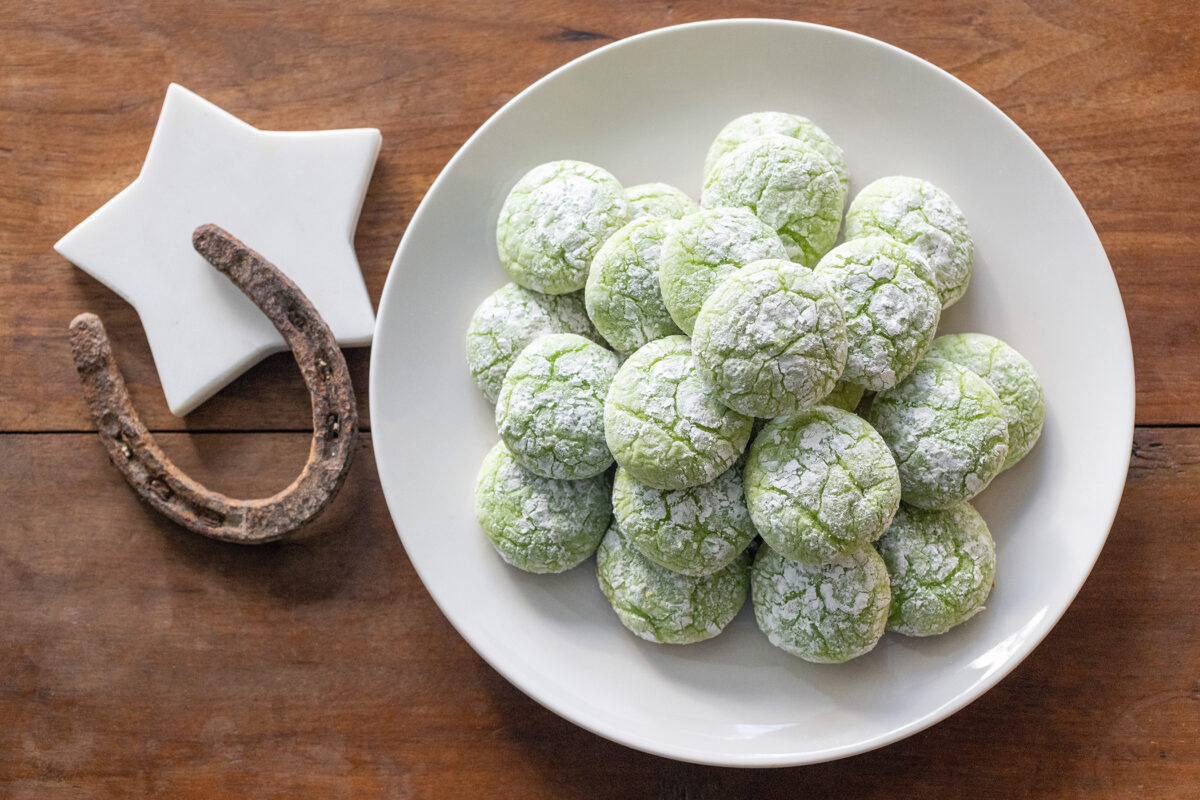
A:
550	411
664	606
919	214
764	123
945	426
845	395
622	294
704	249
659	200
787	185
825	613
553	222
1011	377
771	338
890	304
512	317
941	565
539	524
664	424
820	484
694	531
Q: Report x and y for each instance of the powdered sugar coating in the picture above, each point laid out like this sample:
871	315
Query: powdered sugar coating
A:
771	338
764	123
787	185
825	613
622	295
820	484
704	249
890	304
941	565
550	411
659	200
945	427
664	424
539	524
664	606
919	214
694	531
1011	377
512	317
553	222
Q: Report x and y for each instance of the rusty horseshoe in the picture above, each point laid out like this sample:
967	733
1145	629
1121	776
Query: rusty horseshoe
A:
165	487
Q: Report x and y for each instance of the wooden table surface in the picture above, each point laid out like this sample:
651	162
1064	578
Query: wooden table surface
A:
139	660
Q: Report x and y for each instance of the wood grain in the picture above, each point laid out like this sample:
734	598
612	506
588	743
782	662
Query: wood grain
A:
144	661
1111	92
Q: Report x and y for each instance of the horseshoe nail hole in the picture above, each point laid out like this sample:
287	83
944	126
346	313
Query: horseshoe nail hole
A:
323	369
297	318
161	489
333	426
208	516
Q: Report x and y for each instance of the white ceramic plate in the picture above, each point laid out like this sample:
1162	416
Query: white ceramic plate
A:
646	108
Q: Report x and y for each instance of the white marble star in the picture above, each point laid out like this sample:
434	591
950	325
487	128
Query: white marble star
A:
292	196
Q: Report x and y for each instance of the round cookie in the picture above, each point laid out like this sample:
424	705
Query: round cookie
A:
764	123
659	200
663	606
539	524
663	423
622	295
694	531
820	484
787	185
553	222
941	565
771	338
845	395
825	613
550	412
891	307
945	427
512	317
923	216
704	249
1011	377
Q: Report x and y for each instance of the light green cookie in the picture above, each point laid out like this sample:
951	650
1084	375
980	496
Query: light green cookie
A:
771	338
1011	377
919	214
694	531
512	317
659	200
890	304
550	411
845	395
622	295
663	606
663	423
553	222
787	185
945	427
820	484
539	524
763	123
704	249
941	565
825	613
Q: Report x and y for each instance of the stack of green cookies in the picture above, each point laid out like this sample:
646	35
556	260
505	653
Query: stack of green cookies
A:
716	400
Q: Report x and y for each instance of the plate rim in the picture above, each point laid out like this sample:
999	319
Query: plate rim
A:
757	760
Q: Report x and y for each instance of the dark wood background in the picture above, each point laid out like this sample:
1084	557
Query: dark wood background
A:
139	660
